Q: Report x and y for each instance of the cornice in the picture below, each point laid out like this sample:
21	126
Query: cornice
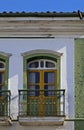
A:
43	27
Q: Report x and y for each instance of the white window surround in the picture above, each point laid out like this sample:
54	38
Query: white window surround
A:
37	51
5	54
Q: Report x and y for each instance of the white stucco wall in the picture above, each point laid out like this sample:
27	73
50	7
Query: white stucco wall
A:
18	46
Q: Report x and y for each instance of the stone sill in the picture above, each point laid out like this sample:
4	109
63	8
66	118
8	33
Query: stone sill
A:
41	121
5	121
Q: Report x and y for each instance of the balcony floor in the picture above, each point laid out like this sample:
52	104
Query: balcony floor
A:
5	121
68	125
41	121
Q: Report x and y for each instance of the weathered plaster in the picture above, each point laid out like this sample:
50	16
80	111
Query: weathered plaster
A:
18	46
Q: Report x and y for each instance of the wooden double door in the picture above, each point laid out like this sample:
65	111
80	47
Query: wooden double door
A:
41	95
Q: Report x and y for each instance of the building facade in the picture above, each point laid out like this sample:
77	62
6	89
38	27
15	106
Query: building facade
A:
41	69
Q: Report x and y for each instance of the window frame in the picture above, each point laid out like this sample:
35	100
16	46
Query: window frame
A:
5	93
5	70
39	64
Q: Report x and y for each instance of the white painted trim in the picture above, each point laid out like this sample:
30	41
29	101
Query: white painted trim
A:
37	51
5	54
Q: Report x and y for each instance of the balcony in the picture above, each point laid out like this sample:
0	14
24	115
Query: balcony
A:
5	107
41	105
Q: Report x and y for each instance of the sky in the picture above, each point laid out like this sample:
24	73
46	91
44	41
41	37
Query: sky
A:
41	5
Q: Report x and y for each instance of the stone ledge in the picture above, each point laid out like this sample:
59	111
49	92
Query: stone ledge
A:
41	121
5	121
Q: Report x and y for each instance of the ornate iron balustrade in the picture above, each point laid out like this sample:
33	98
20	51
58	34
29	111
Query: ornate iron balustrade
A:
5	103
41	103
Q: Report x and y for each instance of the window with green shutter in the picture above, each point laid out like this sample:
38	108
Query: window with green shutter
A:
4	92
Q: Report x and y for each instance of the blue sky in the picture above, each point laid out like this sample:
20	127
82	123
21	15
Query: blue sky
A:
41	5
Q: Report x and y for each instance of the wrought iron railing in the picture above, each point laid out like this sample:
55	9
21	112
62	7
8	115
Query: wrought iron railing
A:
41	103
5	103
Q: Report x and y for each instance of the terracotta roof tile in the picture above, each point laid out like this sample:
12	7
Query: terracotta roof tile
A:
42	14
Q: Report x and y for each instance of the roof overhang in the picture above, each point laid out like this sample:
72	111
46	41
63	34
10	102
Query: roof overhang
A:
40	25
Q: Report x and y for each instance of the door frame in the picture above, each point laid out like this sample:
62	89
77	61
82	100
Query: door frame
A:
40	53
41	97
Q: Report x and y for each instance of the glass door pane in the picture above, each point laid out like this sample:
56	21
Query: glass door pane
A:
34	93
33	77
49	77
49	92
49	83
33	83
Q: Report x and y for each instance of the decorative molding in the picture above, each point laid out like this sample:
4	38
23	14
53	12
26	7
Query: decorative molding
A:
38	27
5	54
41	51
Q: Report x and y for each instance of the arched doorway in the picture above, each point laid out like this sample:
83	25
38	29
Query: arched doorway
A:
41	83
41	94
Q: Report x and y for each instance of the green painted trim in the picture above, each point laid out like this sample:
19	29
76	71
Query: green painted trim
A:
58	73
6	61
75	119
79	125
24	74
79	77
7	73
30	57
